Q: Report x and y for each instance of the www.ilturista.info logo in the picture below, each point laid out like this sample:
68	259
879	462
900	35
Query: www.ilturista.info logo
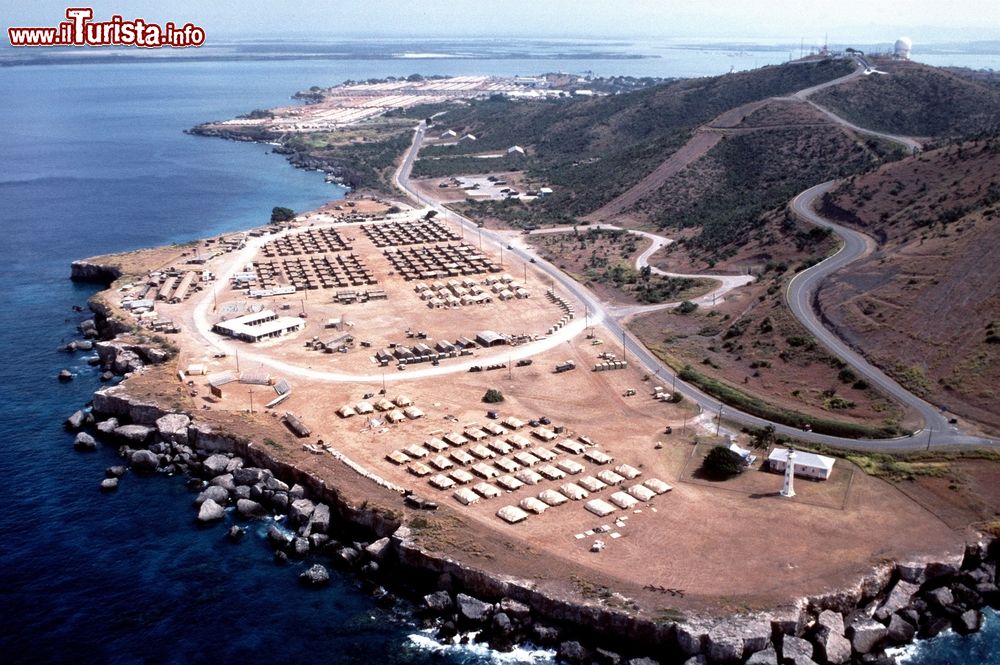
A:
80	30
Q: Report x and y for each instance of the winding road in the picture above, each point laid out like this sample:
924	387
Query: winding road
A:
800	296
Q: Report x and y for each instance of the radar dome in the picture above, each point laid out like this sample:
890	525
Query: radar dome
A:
902	48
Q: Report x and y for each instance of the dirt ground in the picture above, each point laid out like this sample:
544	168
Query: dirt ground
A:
721	545
591	260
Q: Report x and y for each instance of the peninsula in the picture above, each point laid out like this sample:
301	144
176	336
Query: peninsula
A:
477	362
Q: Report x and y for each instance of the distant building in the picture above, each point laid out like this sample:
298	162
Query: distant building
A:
807	465
467	137
901	49
257	326
544	191
583	92
515	150
450	134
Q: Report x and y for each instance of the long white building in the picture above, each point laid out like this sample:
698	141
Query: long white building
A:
807	465
256	326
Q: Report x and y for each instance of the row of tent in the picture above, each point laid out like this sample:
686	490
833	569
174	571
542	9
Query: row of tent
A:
625	500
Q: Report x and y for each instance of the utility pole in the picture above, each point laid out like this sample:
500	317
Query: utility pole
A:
510	368
526	274
480	239
501	254
251	399
623	345
930	431
718	425
383	382
215	299
237	361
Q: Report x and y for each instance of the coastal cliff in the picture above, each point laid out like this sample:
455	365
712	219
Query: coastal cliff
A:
85	271
893	604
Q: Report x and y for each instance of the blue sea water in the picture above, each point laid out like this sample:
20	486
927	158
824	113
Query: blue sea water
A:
93	160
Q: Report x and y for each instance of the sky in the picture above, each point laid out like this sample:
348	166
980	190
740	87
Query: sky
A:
845	21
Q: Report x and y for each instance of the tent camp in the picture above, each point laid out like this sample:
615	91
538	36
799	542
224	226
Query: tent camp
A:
627	471
573	491
657	486
509	482
552	497
533	505
591	484
512	514
599	507
623	500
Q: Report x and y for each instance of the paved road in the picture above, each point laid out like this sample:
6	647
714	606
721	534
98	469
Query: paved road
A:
635	351
715	296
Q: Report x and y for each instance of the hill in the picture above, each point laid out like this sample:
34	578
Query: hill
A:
592	150
777	151
926	306
917	100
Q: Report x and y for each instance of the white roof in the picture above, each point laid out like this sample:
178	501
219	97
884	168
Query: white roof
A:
802	458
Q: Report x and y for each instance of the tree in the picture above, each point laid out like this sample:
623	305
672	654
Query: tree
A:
431	214
393	210
721	463
763	437
280	214
493	396
686	307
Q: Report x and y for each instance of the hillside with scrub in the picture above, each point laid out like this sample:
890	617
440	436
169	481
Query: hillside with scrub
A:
926	306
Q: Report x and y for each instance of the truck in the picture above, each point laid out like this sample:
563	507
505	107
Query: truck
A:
565	366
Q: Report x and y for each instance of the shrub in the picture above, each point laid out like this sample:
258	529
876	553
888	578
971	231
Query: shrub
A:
721	463
280	214
686	307
493	396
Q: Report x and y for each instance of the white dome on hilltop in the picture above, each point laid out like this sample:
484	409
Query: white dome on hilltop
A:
903	47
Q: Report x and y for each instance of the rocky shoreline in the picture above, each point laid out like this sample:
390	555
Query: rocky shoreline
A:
891	606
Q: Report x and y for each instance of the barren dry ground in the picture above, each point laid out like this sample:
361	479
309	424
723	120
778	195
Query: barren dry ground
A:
723	545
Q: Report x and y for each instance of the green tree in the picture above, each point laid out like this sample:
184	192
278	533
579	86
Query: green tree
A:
280	214
721	463
493	396
686	307
763	437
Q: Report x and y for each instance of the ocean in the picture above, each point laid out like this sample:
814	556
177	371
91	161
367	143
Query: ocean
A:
94	160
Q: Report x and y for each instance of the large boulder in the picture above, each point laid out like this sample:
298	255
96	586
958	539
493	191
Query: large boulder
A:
514	609
225	481
144	461
319	521
248	508
109	484
897	599
866	634
765	657
108	426
900	630
572	652
76	421
317	575
378	549
215	493
300	512
793	648
173	427
84	441
248	475
136	435
275	485
210	511
968	622
472	610
438	602
215	465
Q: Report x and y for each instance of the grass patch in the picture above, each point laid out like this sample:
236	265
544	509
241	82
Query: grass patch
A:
755	406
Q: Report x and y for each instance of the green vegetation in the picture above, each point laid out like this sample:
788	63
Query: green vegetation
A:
726	192
445	166
366	159
280	214
493	396
916	101
721	463
257	114
592	150
686	307
755	406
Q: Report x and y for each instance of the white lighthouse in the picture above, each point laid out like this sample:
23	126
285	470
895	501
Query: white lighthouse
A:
788	489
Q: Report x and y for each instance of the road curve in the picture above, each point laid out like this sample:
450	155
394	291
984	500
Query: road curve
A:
801	293
635	351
